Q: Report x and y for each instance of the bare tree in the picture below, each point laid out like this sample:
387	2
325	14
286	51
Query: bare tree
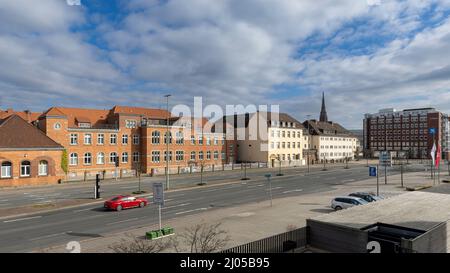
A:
201	238
140	245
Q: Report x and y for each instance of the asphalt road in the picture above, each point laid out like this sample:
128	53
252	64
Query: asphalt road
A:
59	227
13	198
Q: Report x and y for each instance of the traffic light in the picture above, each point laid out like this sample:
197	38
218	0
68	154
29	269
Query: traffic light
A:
97	187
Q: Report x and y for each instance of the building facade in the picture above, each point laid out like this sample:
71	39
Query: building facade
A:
27	156
410	133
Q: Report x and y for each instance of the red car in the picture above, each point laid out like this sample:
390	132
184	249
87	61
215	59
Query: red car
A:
125	202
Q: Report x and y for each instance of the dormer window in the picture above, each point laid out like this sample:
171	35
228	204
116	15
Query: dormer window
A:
83	122
130	123
84	125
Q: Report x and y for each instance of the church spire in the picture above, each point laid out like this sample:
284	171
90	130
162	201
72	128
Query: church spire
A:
323	111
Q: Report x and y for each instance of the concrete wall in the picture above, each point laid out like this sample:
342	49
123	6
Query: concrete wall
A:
336	238
433	241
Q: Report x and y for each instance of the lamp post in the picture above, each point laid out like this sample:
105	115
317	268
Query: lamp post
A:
167	141
309	140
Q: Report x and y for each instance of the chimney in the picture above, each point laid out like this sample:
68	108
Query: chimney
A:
28	115
9	110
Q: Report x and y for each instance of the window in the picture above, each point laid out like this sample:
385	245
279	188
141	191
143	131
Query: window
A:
73	159
113	139
223	155
124	139
179	155
156	137
168	137
43	168
200	140
135	139
170	156
100	139
113	158
193	155
208	155
136	157
216	155
87	139
200	155
179	137
156	156
193	140
87	159
208	141
25	169
73	139
100	158
216	141
57	126
131	123
6	170
125	157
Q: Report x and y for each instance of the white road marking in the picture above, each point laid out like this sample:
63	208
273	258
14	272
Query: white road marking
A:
22	219
298	190
173	196
176	206
80	210
349	180
49	236
134	187
128	220
188	211
168	200
276	188
4	200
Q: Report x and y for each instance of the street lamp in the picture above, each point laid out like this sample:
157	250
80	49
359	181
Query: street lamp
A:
167	142
309	140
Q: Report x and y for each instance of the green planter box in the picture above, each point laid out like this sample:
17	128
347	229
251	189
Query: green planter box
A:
167	230
151	235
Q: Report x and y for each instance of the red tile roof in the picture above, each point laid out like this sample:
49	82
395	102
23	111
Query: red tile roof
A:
26	115
74	115
17	133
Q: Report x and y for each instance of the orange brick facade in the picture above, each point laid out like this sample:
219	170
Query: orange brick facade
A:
54	171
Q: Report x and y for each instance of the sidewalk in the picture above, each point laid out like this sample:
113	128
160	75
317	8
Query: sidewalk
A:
255	221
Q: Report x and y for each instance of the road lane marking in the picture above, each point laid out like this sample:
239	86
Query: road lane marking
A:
49	236
80	210
22	219
298	190
276	188
188	211
134	187
4	200
176	206
349	180
124	221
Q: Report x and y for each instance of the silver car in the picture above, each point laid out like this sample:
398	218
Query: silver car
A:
343	202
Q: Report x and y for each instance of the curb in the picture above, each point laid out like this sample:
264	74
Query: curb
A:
418	188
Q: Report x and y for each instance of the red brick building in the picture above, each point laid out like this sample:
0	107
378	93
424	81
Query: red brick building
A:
27	155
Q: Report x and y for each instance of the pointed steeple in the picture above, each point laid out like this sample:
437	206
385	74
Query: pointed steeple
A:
323	111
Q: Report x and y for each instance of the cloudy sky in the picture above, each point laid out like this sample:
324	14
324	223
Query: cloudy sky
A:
364	54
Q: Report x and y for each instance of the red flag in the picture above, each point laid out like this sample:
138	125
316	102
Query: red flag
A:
438	156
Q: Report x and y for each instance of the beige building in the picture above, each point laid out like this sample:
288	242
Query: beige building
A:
272	138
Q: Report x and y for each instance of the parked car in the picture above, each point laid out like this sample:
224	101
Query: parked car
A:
369	197
125	202
344	202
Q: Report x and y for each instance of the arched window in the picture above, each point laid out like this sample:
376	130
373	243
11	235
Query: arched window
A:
43	168
87	159
125	157
100	158
156	137
113	158
73	159
5	171
168	136
25	169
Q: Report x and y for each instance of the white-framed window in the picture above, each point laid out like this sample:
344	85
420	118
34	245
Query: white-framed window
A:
156	137
136	157
6	168
224	155
156	156
179	137
200	155
87	139
124	139
216	141
113	139
200	140
131	123
208	141
87	159
25	169
100	158
73	159
73	139
43	168
193	140
193	155
179	155
113	158
216	155
135	139
170	156
168	136
124	157
100	139
208	155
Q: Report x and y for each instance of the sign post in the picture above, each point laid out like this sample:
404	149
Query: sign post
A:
373	171
158	198
385	161
270	187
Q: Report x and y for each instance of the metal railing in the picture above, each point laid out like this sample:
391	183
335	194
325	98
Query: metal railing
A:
280	243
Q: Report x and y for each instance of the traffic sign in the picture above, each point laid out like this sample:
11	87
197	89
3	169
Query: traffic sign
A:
432	131
158	193
385	159
373	171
